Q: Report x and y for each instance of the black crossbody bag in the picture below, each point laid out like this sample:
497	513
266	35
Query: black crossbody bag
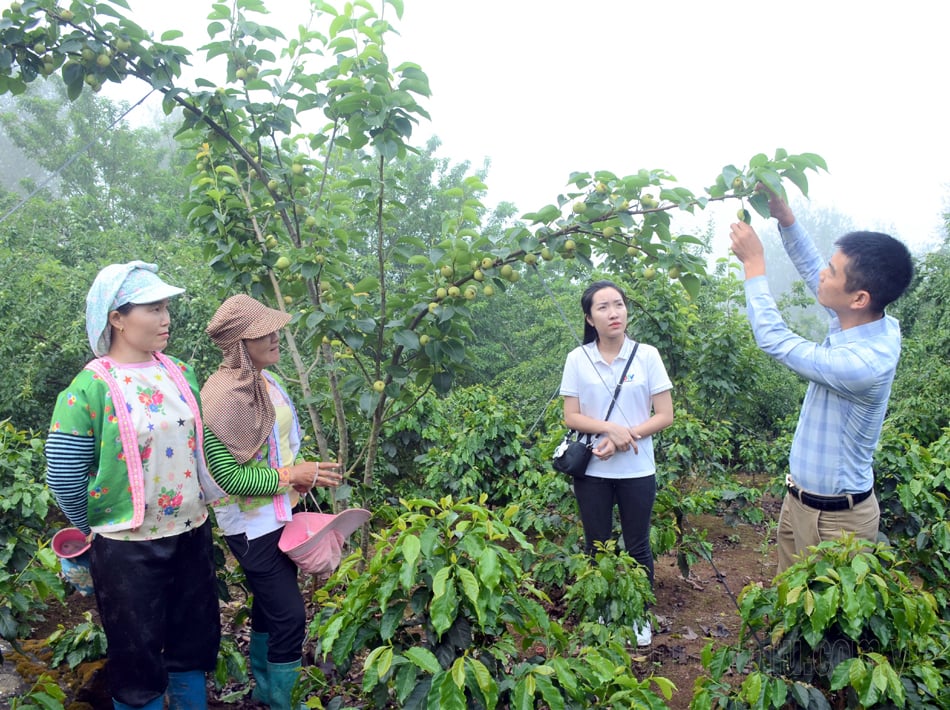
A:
573	454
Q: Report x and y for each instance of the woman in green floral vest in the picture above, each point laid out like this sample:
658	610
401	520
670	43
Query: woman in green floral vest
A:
126	465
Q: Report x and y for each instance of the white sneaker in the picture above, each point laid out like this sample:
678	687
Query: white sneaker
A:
643	633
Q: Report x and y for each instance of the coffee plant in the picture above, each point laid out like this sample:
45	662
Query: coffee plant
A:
915	504
28	567
843	627
84	642
444	615
609	595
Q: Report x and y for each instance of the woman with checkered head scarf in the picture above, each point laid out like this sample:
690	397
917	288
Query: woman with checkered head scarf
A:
125	462
252	441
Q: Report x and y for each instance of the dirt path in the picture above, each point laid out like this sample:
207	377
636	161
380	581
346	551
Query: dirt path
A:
701	610
10	682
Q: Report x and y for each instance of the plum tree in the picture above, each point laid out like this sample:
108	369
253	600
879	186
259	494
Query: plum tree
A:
341	186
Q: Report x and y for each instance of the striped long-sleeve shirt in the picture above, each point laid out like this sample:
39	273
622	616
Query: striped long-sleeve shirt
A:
247	479
69	460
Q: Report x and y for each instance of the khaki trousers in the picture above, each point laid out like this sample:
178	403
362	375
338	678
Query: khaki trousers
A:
801	527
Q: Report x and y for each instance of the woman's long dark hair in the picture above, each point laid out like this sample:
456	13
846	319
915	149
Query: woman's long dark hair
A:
587	303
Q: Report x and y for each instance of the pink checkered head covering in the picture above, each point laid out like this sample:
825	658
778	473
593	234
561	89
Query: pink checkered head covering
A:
236	405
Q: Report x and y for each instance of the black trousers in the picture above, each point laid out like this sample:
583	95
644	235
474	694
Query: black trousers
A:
634	498
278	608
158	603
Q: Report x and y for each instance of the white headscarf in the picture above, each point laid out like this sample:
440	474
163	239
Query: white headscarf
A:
114	286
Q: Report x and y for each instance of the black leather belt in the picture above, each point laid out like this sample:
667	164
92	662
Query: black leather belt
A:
829	503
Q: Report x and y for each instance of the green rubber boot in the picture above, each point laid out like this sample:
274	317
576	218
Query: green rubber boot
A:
282	678
155	704
258	654
187	691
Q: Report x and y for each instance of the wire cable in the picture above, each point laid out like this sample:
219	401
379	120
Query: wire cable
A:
69	161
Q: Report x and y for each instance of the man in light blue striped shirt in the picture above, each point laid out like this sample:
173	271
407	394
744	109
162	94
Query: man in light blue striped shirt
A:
831	481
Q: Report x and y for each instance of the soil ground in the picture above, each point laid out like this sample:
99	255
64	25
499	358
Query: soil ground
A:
702	609
691	613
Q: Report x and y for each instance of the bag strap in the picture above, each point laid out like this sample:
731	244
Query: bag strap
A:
613	399
623	376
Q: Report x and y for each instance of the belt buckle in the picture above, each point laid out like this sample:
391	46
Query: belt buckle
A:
794	490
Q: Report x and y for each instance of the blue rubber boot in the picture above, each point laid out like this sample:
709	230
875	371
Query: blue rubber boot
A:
157	703
283	677
187	691
258	656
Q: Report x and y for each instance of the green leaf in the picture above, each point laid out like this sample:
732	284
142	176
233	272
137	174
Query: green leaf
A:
825	609
666	686
779	693
489	570
752	687
770	179
340	45
860	566
329	635
545	215
551	695
457	672
760	203
74	89
879	676
895	688
391	620
469	584
398	6
440	581
692	284
448	695
869	694
444	609
372	656
51	699
523	698
851	672
423	658
405	682
800	694
816	160
484	681
385	661
730	173
798	178
565	675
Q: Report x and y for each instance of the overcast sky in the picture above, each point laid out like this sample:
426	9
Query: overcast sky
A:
546	87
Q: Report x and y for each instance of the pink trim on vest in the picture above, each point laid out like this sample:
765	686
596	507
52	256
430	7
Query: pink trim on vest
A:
282	508
129	439
204	472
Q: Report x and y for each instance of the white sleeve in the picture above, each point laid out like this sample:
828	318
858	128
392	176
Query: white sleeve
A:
657	376
570	383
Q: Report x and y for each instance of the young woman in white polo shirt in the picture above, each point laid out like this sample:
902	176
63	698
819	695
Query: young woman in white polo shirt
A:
622	470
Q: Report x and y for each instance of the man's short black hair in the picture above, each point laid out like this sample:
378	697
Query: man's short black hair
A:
878	264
